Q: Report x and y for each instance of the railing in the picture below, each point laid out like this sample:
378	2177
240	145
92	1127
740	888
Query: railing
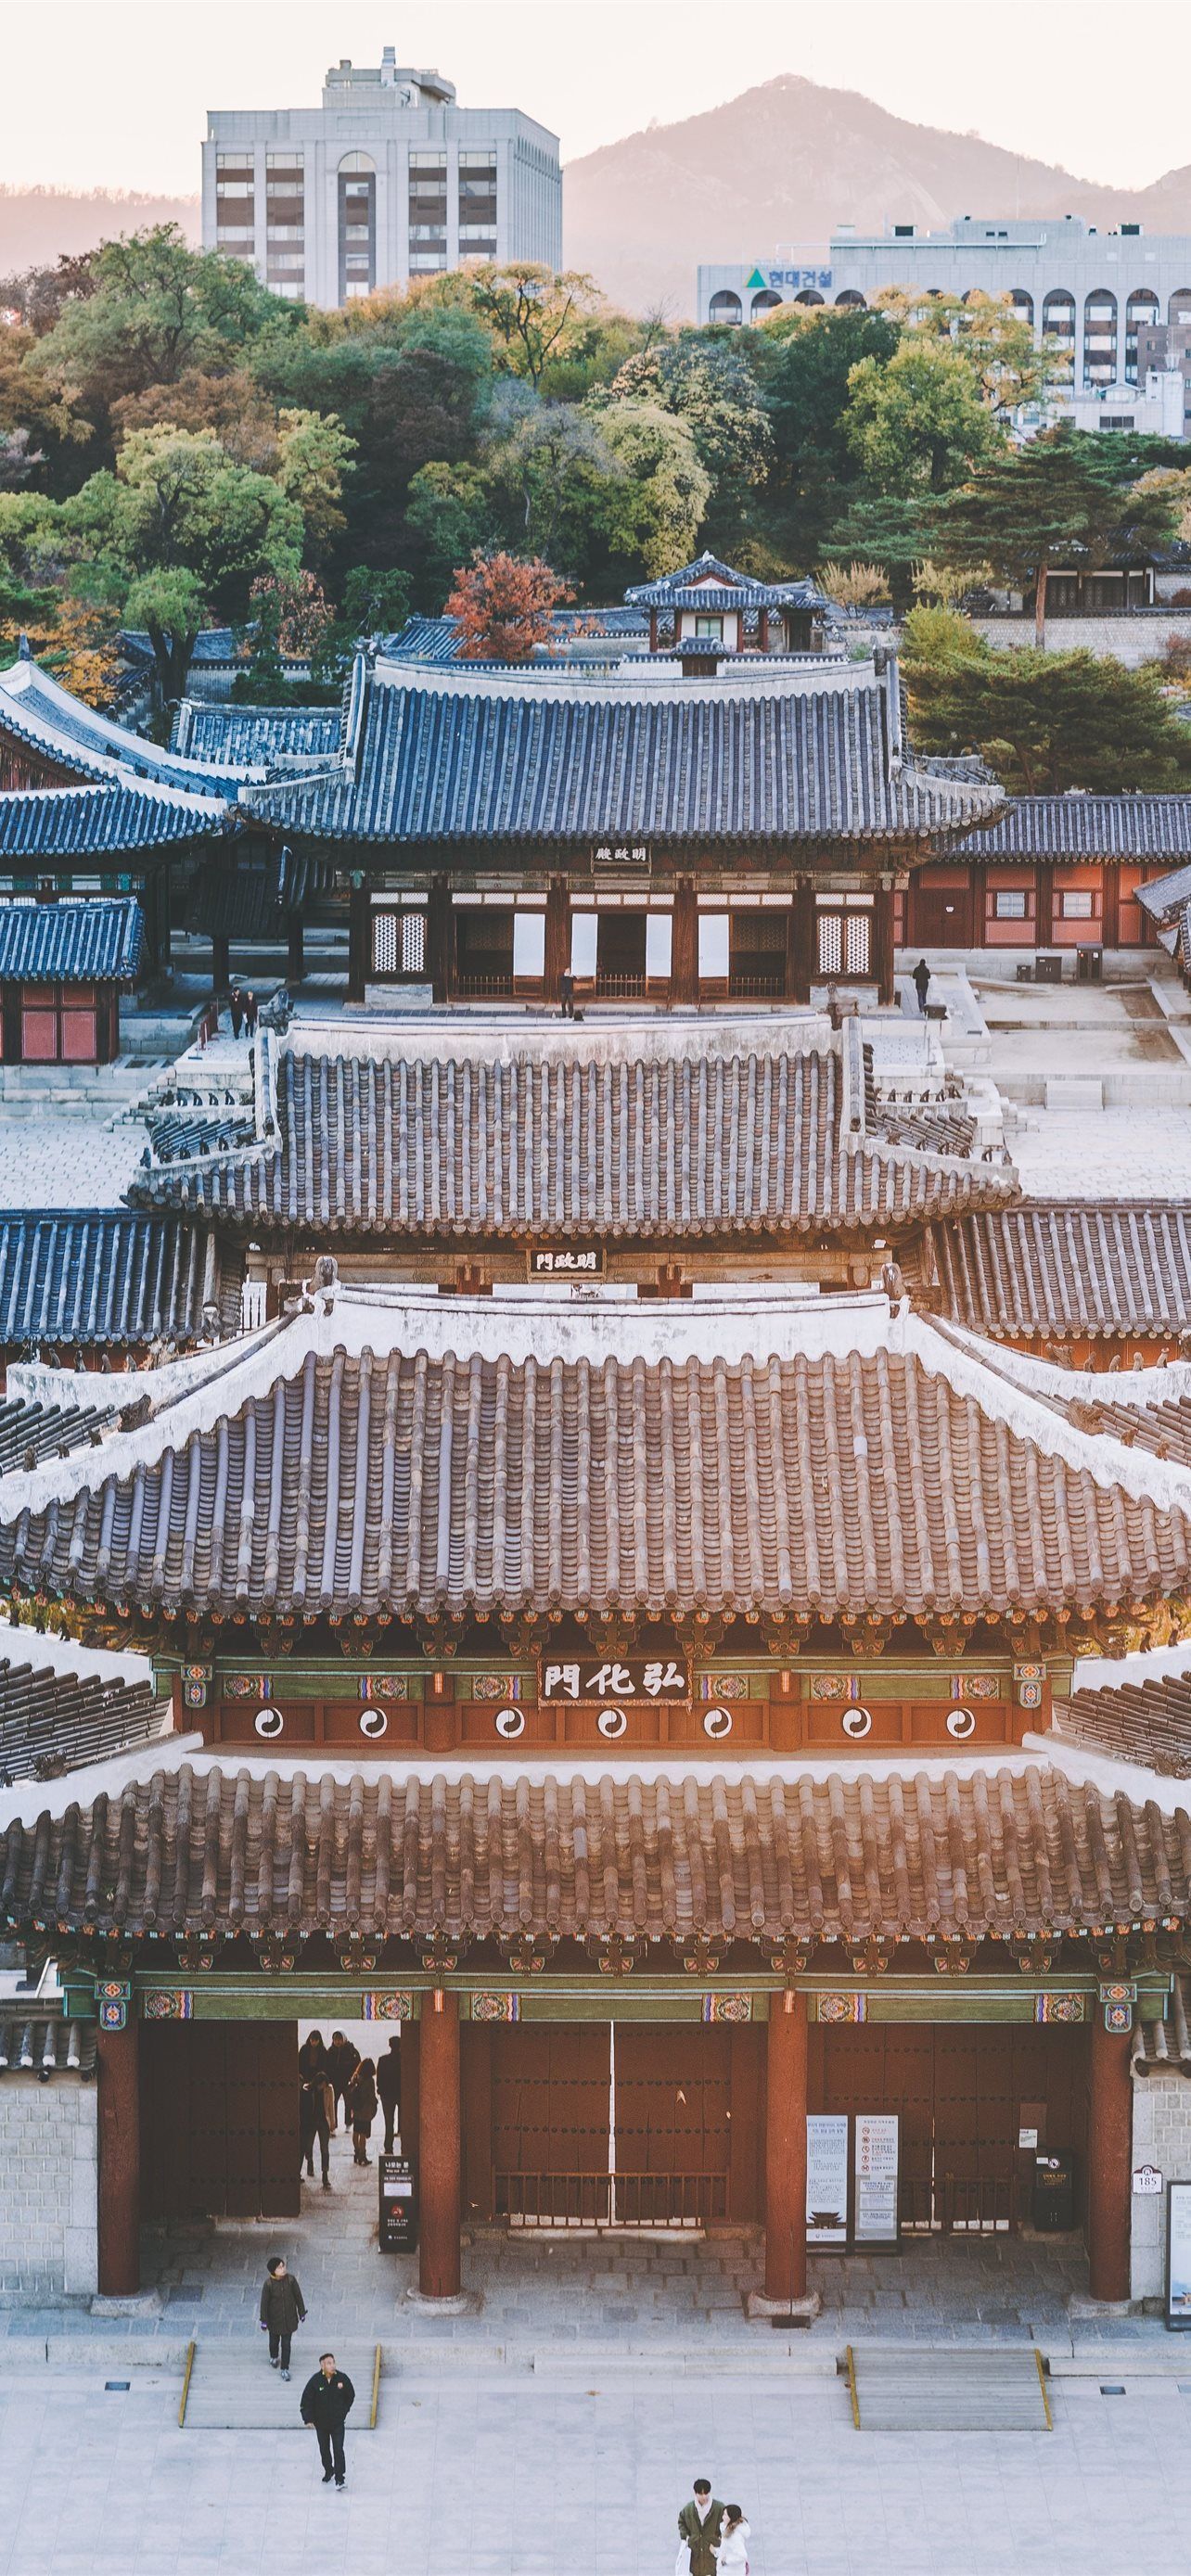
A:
761	988
620	988
611	2200
484	988
959	2205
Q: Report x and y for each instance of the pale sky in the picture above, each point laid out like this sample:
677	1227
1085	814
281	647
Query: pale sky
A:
114	93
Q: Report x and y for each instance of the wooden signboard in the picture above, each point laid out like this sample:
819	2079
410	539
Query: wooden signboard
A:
555	1258
615	1681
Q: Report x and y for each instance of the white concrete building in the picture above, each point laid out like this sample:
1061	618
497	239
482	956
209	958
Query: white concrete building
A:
388	180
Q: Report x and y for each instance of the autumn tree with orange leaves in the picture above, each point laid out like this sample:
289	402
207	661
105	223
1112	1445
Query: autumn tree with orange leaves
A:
503	607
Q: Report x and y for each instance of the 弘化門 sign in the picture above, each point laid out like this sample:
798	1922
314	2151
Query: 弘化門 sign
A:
614	1681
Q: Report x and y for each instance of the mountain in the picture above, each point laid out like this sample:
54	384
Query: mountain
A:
787	162
41	225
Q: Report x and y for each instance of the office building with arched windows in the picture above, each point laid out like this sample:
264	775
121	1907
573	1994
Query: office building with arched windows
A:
1094	292
388	180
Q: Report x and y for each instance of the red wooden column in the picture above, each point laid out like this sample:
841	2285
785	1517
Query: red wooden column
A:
118	2075
439	2146
1110	2150
883	944
785	2149
801	961
558	938
359	939
684	943
295	950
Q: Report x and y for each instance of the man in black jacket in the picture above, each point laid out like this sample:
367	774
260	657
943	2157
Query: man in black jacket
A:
327	2401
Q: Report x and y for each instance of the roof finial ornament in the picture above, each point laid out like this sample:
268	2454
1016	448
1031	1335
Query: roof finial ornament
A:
24	647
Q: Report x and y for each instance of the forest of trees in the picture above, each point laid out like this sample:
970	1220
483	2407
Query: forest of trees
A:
178	447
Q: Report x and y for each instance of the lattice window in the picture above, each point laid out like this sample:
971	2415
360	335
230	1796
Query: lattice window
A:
398	943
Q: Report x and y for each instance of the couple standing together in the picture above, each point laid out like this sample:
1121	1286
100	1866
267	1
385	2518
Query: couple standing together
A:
711	2536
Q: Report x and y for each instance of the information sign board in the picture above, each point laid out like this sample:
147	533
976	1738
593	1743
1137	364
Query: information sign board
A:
875	2169
1178	2255
827	2178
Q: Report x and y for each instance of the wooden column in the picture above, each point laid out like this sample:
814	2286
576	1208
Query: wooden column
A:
785	2149
439	2146
295	949
558	938
359	941
439	932
220	963
1046	900
1110	2149
800	942
119	2113
1110	904
684	943
882	961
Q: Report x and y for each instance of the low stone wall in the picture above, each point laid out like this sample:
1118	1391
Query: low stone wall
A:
48	2201
1162	2137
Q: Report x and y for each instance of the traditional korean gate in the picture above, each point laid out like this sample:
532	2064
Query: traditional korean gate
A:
963	2094
673	2124
219	2120
550	2094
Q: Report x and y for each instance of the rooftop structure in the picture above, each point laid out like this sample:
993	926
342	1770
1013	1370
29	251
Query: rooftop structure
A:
387	181
106	1280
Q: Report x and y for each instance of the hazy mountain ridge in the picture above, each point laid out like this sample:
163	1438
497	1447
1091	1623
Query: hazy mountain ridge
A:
40	225
787	162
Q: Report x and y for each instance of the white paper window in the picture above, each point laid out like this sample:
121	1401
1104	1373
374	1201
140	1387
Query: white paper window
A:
584	933
1077	903
529	943
713	946
1010	902
659	931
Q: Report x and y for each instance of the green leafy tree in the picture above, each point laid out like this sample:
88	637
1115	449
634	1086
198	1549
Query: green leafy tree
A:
451	515
536	319
1008	364
374	603
802	359
154	310
1060	499
315	454
918	425
889	531
705	380
658	499
1044	722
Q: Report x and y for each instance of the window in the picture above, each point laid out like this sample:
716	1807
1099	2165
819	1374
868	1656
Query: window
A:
724	307
398	943
235	204
584	938
428	210
285	216
357	227
1099	336
659	942
529	945
713	626
1078	903
844	943
713	947
765	302
1141	310
1023	305
1009	904
477	205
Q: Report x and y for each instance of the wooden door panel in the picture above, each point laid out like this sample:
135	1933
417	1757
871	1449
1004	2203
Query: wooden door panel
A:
219	2123
673	2098
550	2098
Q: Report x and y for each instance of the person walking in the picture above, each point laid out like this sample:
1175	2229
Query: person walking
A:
732	2554
236	1008
699	2526
327	2401
315	2102
251	1012
361	2102
922	985
343	2057
388	2086
283	2310
312	2055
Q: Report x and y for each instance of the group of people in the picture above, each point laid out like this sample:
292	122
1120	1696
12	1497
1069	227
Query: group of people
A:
335	2076
712	2537
244	1010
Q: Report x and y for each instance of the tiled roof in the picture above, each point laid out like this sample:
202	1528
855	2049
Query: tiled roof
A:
319	1476
1134	826
41	2047
254	737
30	1431
97	822
97	939
1164	2047
710	583
1166	897
679	1148
1147	1722
1069	1268
36	709
237	898
52	1720
72	1275
461	758
846	1858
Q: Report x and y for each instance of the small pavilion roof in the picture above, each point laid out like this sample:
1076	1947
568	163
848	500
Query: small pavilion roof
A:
94	940
1138	825
114	819
1067	1267
103	1276
711	583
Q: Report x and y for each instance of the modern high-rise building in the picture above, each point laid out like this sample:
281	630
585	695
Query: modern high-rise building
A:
388	180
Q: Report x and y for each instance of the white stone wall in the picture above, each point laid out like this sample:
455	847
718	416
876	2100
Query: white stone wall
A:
48	2196
1162	2137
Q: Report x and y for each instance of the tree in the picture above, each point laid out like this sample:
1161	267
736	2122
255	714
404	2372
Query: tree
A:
169	604
1061	498
705	380
992	339
802	359
890	532
853	585
374	603
314	455
1043	721
503	607
917	425
451	515
289	616
153	311
657	501
241	414
534	317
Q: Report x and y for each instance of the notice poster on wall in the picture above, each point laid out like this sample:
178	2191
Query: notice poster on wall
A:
827	2178
1178	2255
876	2178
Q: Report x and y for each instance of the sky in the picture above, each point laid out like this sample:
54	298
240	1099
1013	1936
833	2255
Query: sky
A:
114	93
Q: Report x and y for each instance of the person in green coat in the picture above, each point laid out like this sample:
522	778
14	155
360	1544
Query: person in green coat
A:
699	2526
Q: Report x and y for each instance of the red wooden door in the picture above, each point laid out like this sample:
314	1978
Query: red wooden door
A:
550	2098
219	2120
673	2120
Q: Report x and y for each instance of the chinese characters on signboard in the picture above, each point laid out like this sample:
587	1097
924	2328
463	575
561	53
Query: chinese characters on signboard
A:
565	1260
621	854
609	1683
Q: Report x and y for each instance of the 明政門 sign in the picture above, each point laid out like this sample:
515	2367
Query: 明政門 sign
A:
610	1682
558	1259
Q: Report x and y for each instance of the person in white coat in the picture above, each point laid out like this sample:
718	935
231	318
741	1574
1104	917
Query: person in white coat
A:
732	2554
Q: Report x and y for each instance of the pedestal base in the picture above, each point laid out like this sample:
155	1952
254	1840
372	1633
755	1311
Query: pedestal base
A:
139	2303
799	2312
464	2303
